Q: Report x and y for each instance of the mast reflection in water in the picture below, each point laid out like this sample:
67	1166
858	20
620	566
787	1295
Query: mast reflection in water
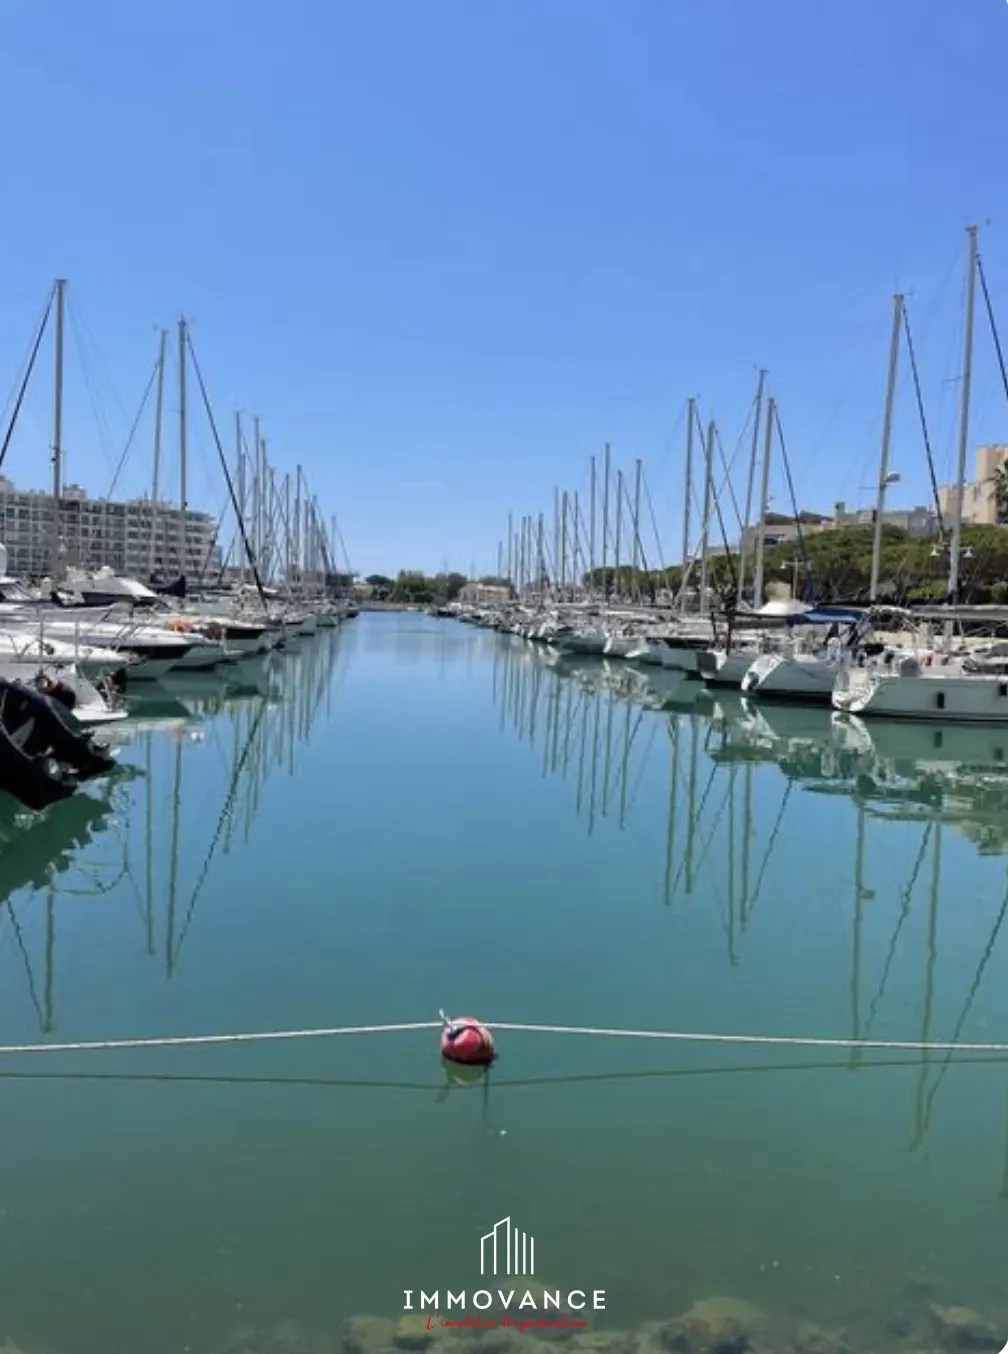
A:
598	725
195	757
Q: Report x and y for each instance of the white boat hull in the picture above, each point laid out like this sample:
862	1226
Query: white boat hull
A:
680	659
589	643
718	668
619	646
942	697
201	657
144	669
792	677
645	652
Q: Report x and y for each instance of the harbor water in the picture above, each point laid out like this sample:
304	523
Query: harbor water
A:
409	814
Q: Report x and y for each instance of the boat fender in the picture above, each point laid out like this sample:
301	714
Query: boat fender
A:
58	691
467	1041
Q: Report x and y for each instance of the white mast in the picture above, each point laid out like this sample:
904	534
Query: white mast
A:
240	476
688	493
257	494
884	477
158	429
705	524
287	531
617	583
183	503
605	523
309	563
591	526
771	415
635	549
753	454
57	443
563	546
297	526
964	416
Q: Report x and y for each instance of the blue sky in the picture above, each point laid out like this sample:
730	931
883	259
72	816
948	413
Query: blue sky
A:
446	250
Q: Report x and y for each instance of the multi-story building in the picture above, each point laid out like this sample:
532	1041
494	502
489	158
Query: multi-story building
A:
485	594
914	521
94	532
981	504
781	529
778	529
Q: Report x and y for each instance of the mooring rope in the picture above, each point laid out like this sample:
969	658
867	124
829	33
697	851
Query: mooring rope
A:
598	1031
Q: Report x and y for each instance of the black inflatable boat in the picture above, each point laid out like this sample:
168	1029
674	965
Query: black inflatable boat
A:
44	752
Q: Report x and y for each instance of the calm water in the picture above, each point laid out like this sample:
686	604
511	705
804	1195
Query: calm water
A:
410	814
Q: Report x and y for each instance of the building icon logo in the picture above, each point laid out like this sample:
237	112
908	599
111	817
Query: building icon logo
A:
507	1250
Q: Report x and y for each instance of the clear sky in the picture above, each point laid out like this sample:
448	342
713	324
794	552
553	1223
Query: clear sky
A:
446	250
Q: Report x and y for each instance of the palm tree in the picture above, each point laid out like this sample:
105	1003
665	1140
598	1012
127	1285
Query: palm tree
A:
1000	482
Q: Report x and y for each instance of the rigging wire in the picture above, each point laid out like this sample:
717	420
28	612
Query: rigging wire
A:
923	419
133	430
993	324
794	503
27	358
105	437
662	570
227	473
5	447
720	516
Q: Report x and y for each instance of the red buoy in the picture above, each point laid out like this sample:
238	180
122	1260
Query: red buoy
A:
467	1041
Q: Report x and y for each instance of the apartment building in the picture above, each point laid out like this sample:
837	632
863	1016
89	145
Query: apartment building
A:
96	531
980	506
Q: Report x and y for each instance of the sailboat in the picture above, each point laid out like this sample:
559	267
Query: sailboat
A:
935	685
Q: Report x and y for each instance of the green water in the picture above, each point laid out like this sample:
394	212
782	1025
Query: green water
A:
411	814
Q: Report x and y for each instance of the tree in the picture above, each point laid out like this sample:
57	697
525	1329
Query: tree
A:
450	585
412	586
1000	480
380	585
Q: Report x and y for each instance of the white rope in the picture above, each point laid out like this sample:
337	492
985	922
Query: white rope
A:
189	1040
677	1036
780	1040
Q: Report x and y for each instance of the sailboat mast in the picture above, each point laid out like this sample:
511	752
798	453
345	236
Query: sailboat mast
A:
705	524
297	525
964	417
591	524
158	430
286	530
257	494
771	415
750	485
883	483
539	558
183	504
563	545
576	557
605	521
309	562
635	548
617	588
688	494
240	476
556	541
57	443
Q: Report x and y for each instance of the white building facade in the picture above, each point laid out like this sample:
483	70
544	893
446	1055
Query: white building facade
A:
981	504
95	532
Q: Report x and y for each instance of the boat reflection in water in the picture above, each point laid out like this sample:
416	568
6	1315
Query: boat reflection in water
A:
599	727
111	834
